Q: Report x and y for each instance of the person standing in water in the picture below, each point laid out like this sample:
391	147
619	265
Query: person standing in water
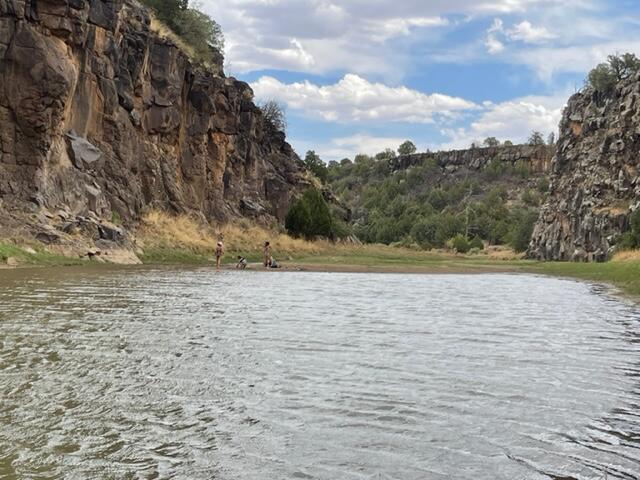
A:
219	253
267	255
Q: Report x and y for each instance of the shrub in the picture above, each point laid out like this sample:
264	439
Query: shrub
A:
627	241
309	216
520	234
460	244
495	169
197	29
522	169
543	185
298	219
634	223
476	243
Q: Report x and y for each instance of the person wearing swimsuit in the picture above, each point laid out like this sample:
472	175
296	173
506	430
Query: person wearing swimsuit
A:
219	253
267	255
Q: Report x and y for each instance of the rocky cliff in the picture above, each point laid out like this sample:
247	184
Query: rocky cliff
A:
100	117
536	158
595	183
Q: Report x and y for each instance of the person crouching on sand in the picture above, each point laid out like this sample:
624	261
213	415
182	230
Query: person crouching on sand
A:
219	253
267	255
242	263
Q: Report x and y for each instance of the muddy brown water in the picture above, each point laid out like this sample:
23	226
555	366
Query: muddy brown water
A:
188	374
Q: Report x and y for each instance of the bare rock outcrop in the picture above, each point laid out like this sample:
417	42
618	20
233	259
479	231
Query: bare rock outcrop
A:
537	158
100	115
594	184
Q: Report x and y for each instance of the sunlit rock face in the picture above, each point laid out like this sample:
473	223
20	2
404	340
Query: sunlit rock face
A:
100	114
595	183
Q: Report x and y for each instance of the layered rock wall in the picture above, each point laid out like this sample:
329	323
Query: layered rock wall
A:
595	184
536	158
98	115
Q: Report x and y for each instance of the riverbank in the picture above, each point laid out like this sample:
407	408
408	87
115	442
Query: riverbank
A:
167	240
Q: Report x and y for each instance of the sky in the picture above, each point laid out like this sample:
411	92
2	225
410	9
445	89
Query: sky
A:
359	76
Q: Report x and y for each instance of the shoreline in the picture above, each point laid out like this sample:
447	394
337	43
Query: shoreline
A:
619	275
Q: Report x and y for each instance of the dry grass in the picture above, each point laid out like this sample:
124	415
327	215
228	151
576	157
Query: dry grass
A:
627	256
162	31
161	230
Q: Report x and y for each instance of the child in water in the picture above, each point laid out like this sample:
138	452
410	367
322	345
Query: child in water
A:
219	253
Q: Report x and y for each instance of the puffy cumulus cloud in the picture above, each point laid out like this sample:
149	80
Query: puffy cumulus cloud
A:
511	120
355	99
354	35
522	32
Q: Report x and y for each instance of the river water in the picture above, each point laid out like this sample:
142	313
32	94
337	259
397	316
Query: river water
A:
189	374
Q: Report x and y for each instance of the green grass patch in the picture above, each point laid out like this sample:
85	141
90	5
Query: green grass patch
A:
625	275
40	258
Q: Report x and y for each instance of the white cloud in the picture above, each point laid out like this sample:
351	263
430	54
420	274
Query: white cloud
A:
350	146
353	35
355	99
527	33
549	61
494	46
511	120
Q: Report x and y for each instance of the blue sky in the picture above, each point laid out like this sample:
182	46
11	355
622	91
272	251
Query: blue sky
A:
358	76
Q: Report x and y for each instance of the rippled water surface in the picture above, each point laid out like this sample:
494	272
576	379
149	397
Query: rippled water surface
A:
188	374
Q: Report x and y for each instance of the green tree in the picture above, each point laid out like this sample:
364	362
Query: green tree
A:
316	166
298	219
274	114
491	142
602	78
196	28
407	148
309	216
623	66
201	32
508	143
536	138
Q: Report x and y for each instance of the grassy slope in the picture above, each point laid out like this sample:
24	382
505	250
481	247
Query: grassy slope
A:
41	257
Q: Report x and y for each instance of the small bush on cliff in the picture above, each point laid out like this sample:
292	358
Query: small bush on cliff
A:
604	76
274	114
197	29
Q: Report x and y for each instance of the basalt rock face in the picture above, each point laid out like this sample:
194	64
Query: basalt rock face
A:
98	115
536	158
595	184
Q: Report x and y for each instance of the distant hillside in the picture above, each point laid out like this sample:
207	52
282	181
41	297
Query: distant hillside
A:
488	194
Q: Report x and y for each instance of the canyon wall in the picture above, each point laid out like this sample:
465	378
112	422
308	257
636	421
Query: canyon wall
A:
100	115
537	158
594	182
